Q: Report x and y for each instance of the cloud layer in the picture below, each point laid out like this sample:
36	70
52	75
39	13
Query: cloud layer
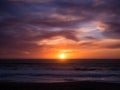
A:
25	24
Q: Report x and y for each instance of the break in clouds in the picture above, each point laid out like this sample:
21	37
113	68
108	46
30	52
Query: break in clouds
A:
26	25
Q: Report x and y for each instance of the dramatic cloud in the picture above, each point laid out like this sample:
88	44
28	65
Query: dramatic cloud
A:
29	25
105	43
111	29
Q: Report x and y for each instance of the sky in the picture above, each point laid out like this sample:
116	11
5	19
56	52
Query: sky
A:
47	28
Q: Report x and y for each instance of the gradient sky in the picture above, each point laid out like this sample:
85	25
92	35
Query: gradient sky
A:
46	28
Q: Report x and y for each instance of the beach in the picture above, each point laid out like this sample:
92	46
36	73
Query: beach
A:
85	85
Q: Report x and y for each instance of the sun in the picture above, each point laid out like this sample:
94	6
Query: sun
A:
62	56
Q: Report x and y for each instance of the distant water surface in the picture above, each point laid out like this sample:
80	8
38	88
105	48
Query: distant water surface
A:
49	71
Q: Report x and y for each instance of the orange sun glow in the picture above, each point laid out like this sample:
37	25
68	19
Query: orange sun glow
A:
62	56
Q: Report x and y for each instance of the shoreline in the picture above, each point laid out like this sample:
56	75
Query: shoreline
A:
81	85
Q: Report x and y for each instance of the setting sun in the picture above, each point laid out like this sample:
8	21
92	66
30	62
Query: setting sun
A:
62	56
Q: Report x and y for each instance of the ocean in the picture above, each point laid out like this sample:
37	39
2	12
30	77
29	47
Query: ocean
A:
50	71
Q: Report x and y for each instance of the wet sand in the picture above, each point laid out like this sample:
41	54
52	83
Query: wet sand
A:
60	86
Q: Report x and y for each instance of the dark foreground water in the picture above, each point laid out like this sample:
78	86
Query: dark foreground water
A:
48	71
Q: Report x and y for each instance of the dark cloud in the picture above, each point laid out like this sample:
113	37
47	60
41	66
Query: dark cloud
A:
111	20
24	37
111	29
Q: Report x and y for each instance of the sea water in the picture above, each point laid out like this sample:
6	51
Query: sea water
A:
50	71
